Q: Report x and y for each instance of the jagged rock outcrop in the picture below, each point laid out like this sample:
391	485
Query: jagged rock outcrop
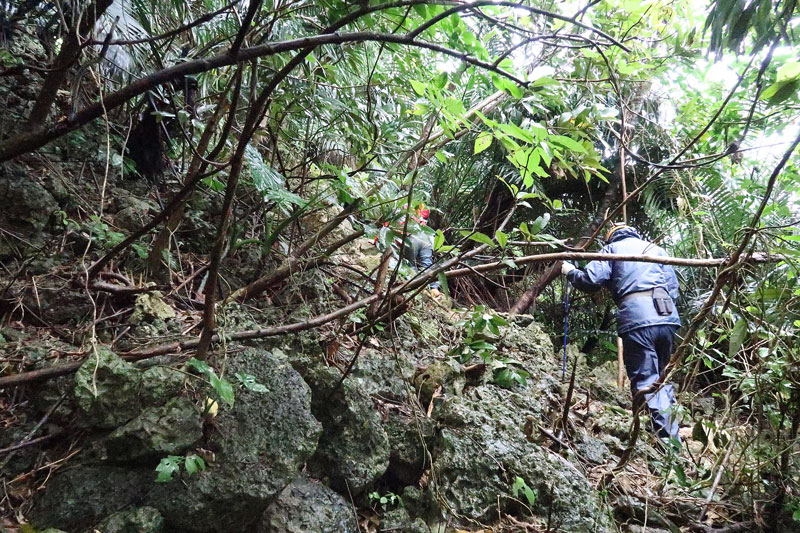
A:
353	451
482	448
79	496
260	444
107	389
136	520
307	505
157	432
28	208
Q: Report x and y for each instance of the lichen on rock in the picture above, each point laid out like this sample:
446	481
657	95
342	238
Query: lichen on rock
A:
158	431
260	444
136	520
354	449
107	389
307	505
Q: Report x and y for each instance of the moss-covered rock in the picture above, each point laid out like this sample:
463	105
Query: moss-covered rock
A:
354	449
482	449
306	505
409	439
160	383
27	209
107	389
384	374
133	213
398	520
78	497
527	342
137	520
260	445
151	306
447	376
157	431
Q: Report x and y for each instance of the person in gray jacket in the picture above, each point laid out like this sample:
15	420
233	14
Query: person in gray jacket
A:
645	294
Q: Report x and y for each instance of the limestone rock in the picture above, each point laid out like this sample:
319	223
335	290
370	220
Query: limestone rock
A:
159	383
107	389
408	438
382	374
398	520
354	450
137	520
481	450
151	306
592	449
260	445
157	431
78	497
527	342
307	505
133	212
446	374
27	210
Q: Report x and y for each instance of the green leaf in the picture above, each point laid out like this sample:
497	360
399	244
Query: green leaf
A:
568	143
788	71
540	223
441	156
193	464
418	87
168	467
200	366
509	263
502	238
250	382
530	495
483	141
737	337
223	388
479	237
516	131
557	204
438	241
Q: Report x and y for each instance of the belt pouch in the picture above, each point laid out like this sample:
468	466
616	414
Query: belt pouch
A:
662	301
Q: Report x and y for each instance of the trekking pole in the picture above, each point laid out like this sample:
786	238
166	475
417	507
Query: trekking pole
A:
566	324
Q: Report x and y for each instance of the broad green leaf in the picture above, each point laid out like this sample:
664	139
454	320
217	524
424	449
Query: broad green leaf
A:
516	131
502	238
223	388
483	141
418	87
479	237
540	223
737	337
568	143
168	467
438	241
200	366
193	464
788	71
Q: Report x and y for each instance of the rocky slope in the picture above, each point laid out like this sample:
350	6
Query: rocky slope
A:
411	440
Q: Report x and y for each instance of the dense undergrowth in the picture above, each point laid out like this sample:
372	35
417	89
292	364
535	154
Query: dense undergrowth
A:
212	200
